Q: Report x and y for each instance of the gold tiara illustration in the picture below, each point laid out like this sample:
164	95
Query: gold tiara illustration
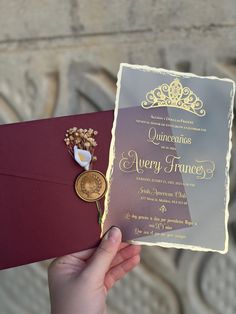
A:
174	95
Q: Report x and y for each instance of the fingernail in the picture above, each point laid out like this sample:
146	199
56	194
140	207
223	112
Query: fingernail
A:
113	234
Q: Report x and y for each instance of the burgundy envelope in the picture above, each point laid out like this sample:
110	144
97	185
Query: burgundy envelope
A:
41	216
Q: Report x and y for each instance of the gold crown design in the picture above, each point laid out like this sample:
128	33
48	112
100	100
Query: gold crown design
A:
174	95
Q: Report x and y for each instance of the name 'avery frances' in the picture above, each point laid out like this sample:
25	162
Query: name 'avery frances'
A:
131	162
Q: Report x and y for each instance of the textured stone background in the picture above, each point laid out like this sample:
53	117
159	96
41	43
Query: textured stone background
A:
62	57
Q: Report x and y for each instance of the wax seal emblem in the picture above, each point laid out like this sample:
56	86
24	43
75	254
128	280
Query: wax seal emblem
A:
91	185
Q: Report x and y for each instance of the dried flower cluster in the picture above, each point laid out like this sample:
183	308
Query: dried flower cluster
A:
82	138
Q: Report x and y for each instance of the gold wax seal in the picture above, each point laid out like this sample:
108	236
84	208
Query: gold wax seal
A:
91	185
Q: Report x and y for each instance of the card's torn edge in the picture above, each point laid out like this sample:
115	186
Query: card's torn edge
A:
228	156
111	153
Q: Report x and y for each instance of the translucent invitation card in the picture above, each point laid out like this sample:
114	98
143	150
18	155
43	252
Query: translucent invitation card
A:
169	159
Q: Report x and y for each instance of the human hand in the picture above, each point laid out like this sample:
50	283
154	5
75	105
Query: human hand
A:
79	282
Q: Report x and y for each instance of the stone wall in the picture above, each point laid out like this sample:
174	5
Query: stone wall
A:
60	58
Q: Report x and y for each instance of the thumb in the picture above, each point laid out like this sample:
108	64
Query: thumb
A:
101	260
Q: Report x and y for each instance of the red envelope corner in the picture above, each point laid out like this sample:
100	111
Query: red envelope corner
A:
41	216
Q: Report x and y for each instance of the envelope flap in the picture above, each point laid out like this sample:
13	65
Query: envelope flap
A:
37	150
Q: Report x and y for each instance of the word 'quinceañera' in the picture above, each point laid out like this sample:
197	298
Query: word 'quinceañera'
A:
131	162
155	137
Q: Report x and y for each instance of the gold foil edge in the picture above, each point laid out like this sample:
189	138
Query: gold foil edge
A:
111	153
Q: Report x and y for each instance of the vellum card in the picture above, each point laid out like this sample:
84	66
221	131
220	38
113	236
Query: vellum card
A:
169	159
